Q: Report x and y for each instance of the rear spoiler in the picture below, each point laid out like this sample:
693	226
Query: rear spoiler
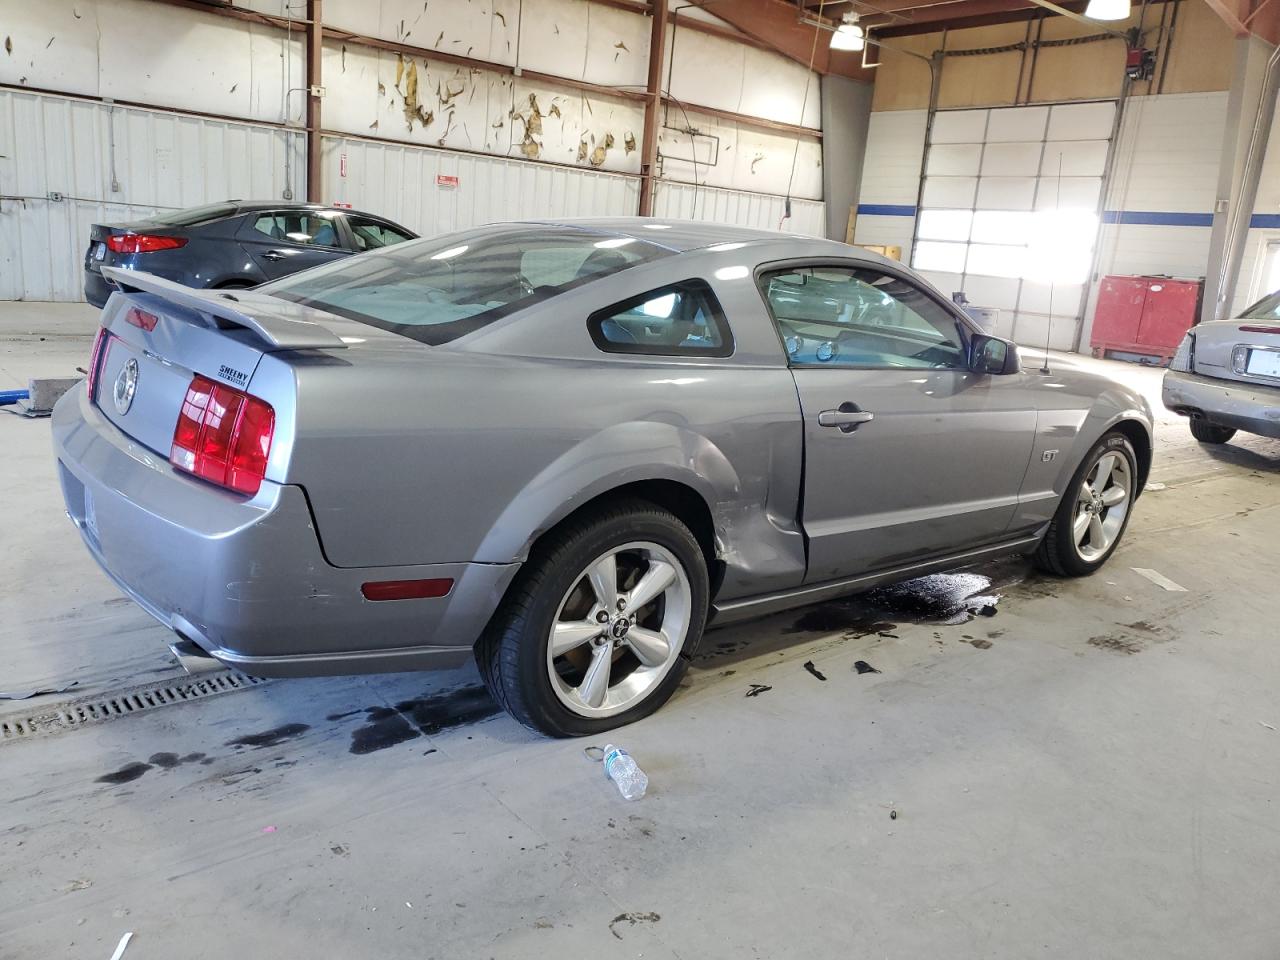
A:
281	327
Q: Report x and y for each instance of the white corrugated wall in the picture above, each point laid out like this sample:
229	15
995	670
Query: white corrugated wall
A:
400	182
162	160
684	201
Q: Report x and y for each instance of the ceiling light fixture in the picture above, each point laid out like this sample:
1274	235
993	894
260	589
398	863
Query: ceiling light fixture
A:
849	35
1107	10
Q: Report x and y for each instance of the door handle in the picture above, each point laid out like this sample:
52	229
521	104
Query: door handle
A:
848	417
273	255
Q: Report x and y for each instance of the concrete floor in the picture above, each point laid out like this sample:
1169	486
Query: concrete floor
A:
1090	772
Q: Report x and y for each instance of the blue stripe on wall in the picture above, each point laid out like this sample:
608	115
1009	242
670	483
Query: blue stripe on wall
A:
886	210
1158	219
1146	218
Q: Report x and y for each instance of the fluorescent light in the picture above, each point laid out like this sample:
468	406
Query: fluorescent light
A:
1107	10
849	35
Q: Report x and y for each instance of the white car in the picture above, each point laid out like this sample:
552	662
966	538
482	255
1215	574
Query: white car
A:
1226	375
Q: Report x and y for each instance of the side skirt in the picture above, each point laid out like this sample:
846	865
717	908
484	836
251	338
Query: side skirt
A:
737	610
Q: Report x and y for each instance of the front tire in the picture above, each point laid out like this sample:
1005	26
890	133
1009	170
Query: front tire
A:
597	628
1206	432
1094	512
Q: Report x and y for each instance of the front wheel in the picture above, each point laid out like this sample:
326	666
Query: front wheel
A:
1094	511
1206	432
596	630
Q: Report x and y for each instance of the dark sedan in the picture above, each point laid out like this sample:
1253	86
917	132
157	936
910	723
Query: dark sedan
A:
236	243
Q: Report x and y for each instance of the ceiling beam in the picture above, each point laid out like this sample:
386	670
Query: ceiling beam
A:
776	23
971	13
1233	13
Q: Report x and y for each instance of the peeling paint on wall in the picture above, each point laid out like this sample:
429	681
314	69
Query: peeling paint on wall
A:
601	152
532	121
413	110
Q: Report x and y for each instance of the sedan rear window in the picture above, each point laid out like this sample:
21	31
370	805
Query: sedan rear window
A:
1268	308
192	216
440	289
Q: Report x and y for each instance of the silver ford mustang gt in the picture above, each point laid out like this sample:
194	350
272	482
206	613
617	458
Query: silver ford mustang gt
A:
564	449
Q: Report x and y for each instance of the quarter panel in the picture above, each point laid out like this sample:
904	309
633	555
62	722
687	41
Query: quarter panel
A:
429	456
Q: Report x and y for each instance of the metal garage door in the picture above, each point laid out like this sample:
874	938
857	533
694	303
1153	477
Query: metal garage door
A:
1010	211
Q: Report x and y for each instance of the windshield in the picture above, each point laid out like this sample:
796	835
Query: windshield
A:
193	215
1268	308
440	289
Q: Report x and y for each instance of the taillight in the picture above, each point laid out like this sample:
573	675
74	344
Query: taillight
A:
143	243
223	436
1260	329
95	361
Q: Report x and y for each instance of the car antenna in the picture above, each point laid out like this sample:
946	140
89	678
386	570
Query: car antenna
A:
1048	333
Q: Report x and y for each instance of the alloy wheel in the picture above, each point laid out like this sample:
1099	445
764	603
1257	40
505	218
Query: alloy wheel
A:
619	629
1102	503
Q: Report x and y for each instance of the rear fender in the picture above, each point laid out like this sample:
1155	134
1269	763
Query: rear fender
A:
634	452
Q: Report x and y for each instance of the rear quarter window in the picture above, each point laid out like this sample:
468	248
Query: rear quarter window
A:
679	320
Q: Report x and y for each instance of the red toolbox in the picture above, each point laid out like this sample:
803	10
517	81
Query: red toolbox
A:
1144	318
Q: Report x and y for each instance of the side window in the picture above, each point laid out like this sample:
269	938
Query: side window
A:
287	226
371	234
683	319
860	317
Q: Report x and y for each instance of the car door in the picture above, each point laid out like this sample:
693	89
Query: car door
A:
281	242
908	453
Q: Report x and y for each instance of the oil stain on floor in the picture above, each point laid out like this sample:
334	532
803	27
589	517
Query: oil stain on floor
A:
387	726
945	598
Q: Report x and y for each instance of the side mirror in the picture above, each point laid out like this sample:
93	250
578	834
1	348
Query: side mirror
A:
993	355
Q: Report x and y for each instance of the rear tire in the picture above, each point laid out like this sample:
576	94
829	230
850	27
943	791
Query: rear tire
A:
611	664
1206	432
1094	512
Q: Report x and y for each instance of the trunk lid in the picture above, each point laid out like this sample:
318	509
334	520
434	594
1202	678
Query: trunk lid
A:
1244	350
162	334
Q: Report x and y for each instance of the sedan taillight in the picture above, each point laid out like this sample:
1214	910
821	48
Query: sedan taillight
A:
143	243
95	361
223	436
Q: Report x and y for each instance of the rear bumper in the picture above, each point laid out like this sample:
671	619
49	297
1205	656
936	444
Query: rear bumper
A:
1253	408
246	580
96	288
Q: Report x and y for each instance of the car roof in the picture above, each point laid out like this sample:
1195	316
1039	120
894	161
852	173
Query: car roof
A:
250	206
679	235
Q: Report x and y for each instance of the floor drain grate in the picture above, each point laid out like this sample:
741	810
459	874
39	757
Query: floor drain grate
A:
78	713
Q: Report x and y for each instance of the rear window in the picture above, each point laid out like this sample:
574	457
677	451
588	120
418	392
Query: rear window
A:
1267	308
440	289
193	215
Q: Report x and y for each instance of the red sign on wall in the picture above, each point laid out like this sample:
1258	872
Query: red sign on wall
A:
446	180
342	204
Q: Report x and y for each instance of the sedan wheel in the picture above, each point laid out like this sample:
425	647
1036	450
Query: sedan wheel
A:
619	629
1102	506
598	626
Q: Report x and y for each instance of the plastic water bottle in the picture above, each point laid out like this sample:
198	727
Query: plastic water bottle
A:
622	770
